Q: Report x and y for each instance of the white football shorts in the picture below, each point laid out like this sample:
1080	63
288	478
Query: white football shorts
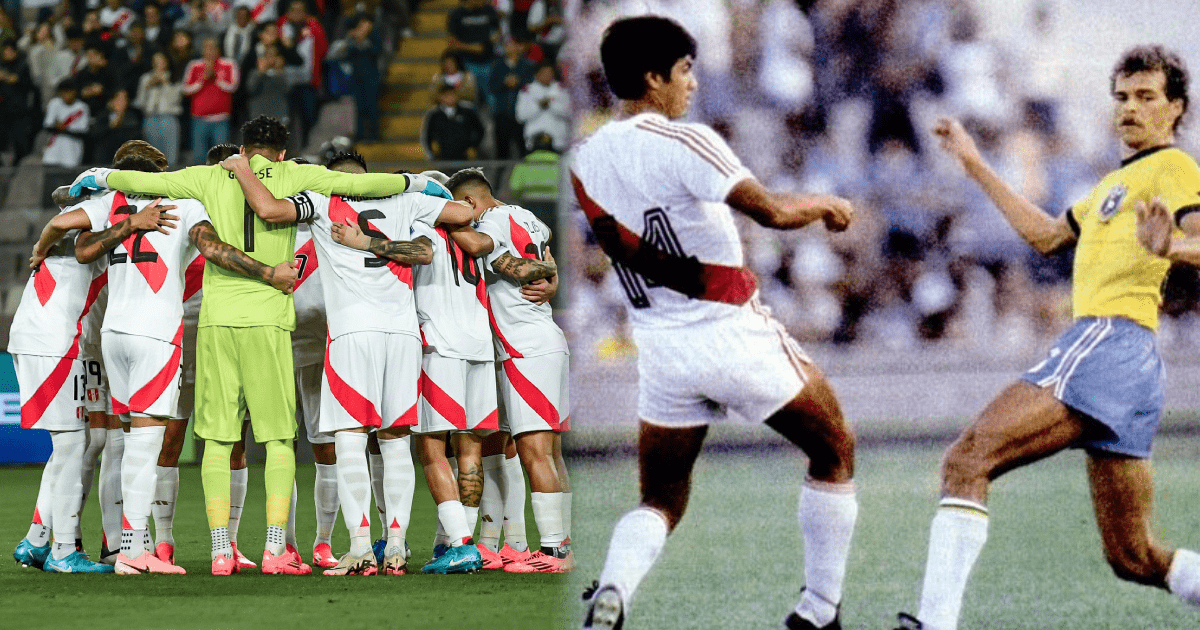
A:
694	375
370	381
52	392
534	391
96	398
308	402
143	374
457	395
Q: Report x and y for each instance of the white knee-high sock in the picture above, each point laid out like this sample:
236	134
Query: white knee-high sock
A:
513	491
1183	578
91	452
827	514
354	488
453	521
956	536
376	462
400	482
68	488
547	513
110	487
472	518
325	498
43	510
637	541
238	482
491	503
138	478
166	493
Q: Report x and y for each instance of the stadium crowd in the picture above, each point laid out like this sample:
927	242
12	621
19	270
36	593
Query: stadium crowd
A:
829	96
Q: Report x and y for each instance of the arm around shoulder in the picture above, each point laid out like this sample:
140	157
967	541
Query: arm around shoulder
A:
788	210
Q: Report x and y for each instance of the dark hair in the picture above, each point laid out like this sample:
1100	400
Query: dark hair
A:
466	177
346	156
68	83
627	58
74	32
219	152
136	163
359	19
1155	58
139	155
265	132
450	55
300	160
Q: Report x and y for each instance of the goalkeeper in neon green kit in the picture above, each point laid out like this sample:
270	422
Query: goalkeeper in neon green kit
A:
243	345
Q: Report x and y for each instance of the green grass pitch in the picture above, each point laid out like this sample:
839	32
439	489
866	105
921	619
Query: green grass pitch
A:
736	560
490	599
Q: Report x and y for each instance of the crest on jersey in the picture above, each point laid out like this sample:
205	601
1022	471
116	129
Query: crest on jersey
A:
1112	202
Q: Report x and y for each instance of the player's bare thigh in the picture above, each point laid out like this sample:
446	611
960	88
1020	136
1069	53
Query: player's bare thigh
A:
666	456
1023	424
813	421
1122	494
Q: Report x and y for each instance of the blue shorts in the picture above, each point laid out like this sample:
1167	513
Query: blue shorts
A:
1109	369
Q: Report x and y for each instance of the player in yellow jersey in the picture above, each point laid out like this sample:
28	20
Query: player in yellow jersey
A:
1101	386
243	346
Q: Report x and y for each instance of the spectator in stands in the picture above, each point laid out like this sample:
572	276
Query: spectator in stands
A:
97	83
240	36
120	123
115	16
362	51
509	74
160	97
543	106
210	81
41	54
474	31
132	57
518	20
453	75
546	23
92	28
205	19
303	32
19	102
451	130
536	177
68	61
67	121
267	86
261	11
158	31
181	52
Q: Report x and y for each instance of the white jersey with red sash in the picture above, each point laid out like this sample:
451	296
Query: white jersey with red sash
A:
308	340
452	300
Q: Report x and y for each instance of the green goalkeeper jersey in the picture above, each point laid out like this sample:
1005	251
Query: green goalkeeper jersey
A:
231	299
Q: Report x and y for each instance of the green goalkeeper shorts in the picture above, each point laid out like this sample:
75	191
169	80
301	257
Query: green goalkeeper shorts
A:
240	370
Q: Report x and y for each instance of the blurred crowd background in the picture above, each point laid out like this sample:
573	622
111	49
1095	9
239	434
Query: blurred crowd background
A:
838	96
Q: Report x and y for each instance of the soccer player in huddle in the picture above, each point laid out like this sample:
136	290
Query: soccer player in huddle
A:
658	195
243	347
511	244
143	327
1101	386
373	358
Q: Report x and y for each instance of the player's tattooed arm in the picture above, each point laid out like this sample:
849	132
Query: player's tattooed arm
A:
524	270
92	245
228	257
476	244
261	201
418	251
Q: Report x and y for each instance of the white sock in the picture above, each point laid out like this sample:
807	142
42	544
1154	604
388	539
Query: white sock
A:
566	514
637	540
238	480
95	444
453	520
138	477
513	491
491	504
1184	577
376	462
547	513
166	493
276	540
290	535
43	511
400	482
472	518
956	537
827	514
68	488
354	488
440	537
220	543
325	498
110	487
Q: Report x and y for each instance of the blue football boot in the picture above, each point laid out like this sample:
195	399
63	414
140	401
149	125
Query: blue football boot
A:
77	562
439	549
464	559
378	547
29	555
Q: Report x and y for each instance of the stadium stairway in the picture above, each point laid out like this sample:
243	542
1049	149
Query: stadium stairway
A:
405	94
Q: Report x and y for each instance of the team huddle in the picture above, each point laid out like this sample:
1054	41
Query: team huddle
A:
378	305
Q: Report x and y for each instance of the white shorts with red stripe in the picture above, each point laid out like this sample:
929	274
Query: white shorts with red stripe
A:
96	398
52	392
457	395
694	375
370	381
308	402
534	393
143	374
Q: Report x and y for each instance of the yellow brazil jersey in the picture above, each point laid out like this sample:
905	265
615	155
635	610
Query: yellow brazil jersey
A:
1114	276
231	299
